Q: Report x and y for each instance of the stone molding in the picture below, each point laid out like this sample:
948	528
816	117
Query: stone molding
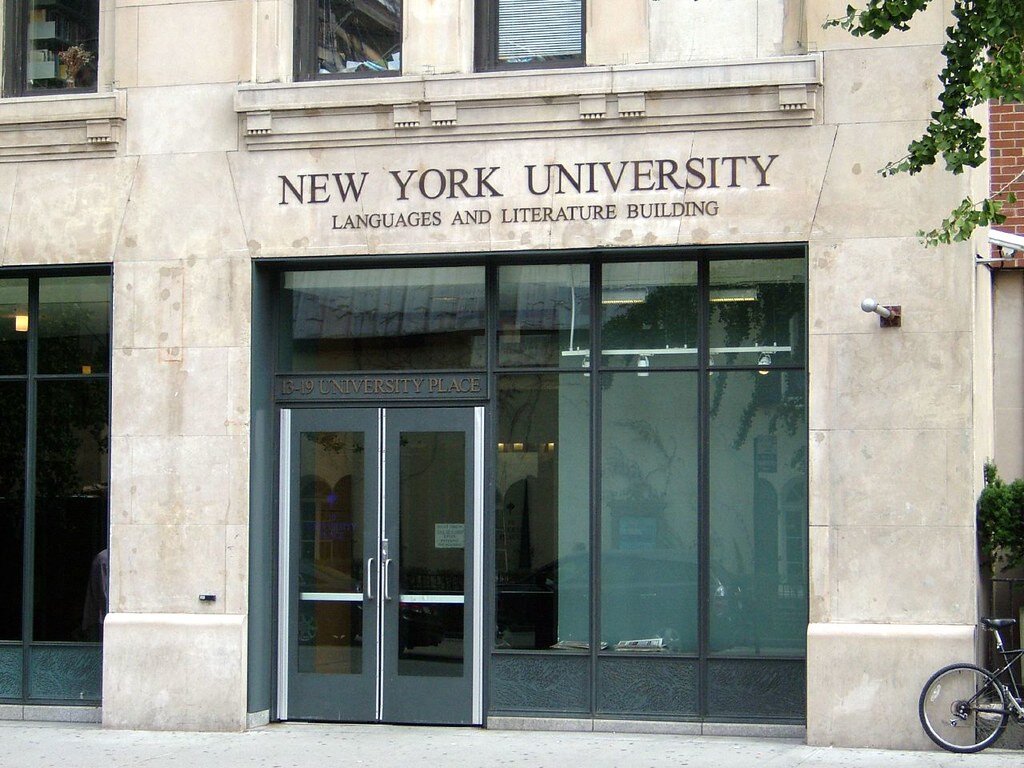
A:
63	126
497	106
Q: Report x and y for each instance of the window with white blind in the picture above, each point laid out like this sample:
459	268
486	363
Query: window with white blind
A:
529	33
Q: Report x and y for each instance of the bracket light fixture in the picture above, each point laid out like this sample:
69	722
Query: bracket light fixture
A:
889	315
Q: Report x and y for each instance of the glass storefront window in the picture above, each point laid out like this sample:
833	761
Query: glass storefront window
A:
757	312
74	324
331	507
542	535
72	467
54	445
359	37
649	314
12	505
544	315
758	512
649	556
383	320
432	489
13	326
690	392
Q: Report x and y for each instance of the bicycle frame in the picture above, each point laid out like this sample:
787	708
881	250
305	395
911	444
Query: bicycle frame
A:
1010	659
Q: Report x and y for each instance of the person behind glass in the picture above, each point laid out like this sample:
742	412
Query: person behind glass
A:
95	608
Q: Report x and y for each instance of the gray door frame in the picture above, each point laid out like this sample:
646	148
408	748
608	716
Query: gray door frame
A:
475	416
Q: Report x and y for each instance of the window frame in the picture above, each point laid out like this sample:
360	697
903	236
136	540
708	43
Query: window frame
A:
304	66
29	645
593	681
15	54
485	54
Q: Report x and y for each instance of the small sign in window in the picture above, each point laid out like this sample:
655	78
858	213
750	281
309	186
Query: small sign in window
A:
449	535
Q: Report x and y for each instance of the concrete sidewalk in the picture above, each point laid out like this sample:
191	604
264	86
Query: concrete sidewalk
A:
46	745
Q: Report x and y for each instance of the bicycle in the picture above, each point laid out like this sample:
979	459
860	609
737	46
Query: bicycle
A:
965	708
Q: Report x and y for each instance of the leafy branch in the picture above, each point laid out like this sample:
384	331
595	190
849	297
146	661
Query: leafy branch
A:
984	53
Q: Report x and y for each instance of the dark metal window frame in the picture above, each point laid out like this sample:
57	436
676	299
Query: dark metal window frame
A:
31	379
304	53
15	55
595	259
703	257
485	54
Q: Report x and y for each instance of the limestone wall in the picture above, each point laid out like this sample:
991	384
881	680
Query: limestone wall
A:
187	193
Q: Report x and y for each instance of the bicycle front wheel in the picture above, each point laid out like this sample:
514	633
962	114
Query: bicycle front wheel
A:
962	708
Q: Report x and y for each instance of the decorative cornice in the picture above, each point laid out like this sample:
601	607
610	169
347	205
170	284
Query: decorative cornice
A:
61	126
496	106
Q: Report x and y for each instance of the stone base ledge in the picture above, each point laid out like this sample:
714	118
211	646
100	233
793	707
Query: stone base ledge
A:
197	684
50	714
864	680
257	719
599	725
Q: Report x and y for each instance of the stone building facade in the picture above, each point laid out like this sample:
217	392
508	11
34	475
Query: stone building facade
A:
483	362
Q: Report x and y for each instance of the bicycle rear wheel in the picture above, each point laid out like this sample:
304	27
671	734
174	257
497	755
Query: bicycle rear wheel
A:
962	708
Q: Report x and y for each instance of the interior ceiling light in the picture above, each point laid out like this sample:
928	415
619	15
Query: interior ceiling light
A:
624	297
721	295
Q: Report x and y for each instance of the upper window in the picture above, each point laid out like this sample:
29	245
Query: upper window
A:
529	33
335	38
50	45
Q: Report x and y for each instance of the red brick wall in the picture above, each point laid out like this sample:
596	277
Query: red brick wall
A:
1006	137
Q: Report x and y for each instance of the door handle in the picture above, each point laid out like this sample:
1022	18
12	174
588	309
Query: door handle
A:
369	579
387	581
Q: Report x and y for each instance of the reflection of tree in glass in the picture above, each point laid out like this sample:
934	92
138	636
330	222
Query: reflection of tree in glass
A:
762	322
640	481
643	483
787	412
12	480
12	440
336	442
71	430
668	309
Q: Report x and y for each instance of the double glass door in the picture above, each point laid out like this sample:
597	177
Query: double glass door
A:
380	565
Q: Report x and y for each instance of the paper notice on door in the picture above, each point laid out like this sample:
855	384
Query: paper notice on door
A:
449	535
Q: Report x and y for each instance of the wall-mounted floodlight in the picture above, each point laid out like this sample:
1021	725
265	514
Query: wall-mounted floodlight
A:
889	316
1006	240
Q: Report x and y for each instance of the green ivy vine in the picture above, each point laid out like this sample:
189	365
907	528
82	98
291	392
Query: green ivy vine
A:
984	54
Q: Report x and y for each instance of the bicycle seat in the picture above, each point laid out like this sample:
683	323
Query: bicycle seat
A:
998	623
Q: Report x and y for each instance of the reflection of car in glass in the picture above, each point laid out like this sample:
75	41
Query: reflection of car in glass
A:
645	594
